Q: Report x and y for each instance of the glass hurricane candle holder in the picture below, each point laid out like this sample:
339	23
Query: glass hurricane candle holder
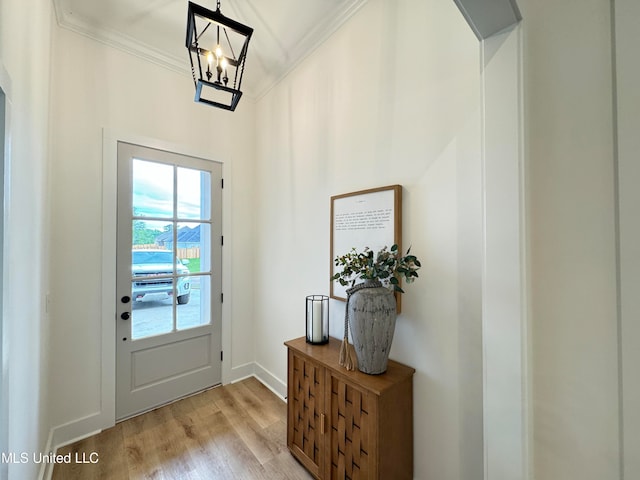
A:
317	319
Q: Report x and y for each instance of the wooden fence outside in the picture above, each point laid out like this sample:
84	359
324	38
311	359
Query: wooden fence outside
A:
191	252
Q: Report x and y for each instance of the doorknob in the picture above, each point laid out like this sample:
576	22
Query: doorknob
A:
125	315
125	299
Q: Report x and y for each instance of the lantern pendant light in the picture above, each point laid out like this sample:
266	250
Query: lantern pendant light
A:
217	48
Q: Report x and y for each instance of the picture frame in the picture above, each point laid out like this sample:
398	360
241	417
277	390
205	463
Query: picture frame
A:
366	218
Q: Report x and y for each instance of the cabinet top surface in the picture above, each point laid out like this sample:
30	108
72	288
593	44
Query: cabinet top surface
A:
329	354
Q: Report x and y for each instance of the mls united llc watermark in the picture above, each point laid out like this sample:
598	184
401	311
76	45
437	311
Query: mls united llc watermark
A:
39	457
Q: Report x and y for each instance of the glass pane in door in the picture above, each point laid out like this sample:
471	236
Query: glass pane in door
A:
150	318
194	246
151	234
152	189
196	310
194	194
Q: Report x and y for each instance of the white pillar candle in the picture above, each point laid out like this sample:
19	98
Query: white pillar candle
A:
317	320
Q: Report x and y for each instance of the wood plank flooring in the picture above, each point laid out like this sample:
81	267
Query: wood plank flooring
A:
233	432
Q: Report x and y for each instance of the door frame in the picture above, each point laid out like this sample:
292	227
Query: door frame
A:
107	415
5	252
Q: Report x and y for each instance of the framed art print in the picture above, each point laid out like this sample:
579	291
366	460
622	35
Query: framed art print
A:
367	218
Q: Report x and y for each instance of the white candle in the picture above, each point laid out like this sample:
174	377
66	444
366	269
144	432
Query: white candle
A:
317	321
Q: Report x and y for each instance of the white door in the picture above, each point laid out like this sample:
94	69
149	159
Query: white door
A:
169	257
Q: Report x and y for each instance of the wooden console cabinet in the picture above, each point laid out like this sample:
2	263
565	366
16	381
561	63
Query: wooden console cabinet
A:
348	425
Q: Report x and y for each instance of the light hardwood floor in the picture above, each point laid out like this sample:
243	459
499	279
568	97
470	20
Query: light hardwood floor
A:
234	432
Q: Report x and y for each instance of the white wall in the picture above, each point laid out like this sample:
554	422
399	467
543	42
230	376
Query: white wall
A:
25	356
99	87
569	129
392	97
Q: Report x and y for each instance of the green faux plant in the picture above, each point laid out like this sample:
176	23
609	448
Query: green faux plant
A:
388	266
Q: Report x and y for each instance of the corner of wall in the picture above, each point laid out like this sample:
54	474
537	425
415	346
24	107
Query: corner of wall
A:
268	379
272	382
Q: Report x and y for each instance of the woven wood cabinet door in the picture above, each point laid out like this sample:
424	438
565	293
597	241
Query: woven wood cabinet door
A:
306	419
346	425
350	443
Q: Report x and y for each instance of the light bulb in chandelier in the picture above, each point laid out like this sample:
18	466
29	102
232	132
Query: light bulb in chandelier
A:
224	64
209	66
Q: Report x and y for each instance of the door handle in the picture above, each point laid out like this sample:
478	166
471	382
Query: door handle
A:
125	315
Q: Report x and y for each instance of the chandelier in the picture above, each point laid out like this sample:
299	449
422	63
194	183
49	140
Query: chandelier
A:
217	50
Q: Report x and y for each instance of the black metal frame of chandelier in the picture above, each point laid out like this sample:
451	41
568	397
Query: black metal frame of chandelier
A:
217	17
234	101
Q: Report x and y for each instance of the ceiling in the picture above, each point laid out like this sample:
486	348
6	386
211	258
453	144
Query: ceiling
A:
285	31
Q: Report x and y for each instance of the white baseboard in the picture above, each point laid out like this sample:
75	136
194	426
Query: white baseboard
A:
272	382
46	469
78	429
268	379
71	432
241	372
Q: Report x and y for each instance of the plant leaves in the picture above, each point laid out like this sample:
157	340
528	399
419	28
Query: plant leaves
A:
386	265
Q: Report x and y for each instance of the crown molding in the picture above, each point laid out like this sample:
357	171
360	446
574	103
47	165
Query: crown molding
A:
118	40
115	39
